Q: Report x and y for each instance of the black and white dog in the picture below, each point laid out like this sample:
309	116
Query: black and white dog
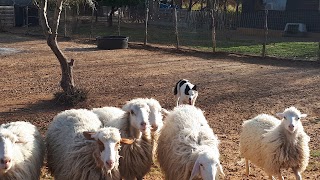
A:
185	91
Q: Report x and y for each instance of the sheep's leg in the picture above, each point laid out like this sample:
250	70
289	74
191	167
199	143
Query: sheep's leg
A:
280	177
297	174
247	167
277	175
271	177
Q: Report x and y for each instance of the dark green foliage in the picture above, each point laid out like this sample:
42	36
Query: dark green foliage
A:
79	95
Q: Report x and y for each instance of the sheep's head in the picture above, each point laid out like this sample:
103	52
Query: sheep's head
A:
207	166
139	115
7	148
108	141
291	118
155	117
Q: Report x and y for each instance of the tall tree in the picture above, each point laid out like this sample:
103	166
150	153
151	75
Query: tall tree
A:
51	32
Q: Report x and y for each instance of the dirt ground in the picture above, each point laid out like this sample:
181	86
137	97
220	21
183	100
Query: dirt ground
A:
232	88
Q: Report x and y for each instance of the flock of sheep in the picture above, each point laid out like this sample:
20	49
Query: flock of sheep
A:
122	143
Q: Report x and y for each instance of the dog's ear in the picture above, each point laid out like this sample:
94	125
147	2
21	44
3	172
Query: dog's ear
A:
194	87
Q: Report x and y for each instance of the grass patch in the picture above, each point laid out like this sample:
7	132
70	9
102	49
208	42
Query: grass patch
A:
295	50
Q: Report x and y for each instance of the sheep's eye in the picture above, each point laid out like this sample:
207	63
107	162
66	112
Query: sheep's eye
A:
131	112
284	118
201	164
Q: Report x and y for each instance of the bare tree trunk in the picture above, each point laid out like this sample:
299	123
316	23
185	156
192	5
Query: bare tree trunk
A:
190	5
67	82
110	21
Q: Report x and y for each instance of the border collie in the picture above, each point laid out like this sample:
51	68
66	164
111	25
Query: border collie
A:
185	91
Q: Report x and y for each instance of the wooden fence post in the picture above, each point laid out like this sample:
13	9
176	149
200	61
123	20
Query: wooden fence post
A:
319	51
146	23
265	34
119	14
27	20
176	27
214	43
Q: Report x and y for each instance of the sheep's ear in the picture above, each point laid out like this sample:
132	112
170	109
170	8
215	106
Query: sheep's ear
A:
196	170
126	141
88	135
164	111
194	87
303	115
280	115
127	107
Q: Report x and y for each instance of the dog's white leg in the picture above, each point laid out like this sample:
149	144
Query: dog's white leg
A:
178	101
194	100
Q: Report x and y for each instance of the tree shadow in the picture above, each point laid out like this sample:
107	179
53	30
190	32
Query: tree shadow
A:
40	106
10	38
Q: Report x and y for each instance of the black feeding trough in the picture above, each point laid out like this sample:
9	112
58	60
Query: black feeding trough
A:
112	42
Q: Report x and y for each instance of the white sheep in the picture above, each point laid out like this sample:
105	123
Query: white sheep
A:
274	145
134	113
155	117
21	151
156	112
133	122
187	146
80	148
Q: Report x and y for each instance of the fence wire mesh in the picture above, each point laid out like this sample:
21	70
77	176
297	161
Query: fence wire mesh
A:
243	33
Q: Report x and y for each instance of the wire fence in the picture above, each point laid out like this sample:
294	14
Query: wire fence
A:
247	33
260	33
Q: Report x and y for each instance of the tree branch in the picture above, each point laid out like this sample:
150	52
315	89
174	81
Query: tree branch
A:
43	17
56	17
